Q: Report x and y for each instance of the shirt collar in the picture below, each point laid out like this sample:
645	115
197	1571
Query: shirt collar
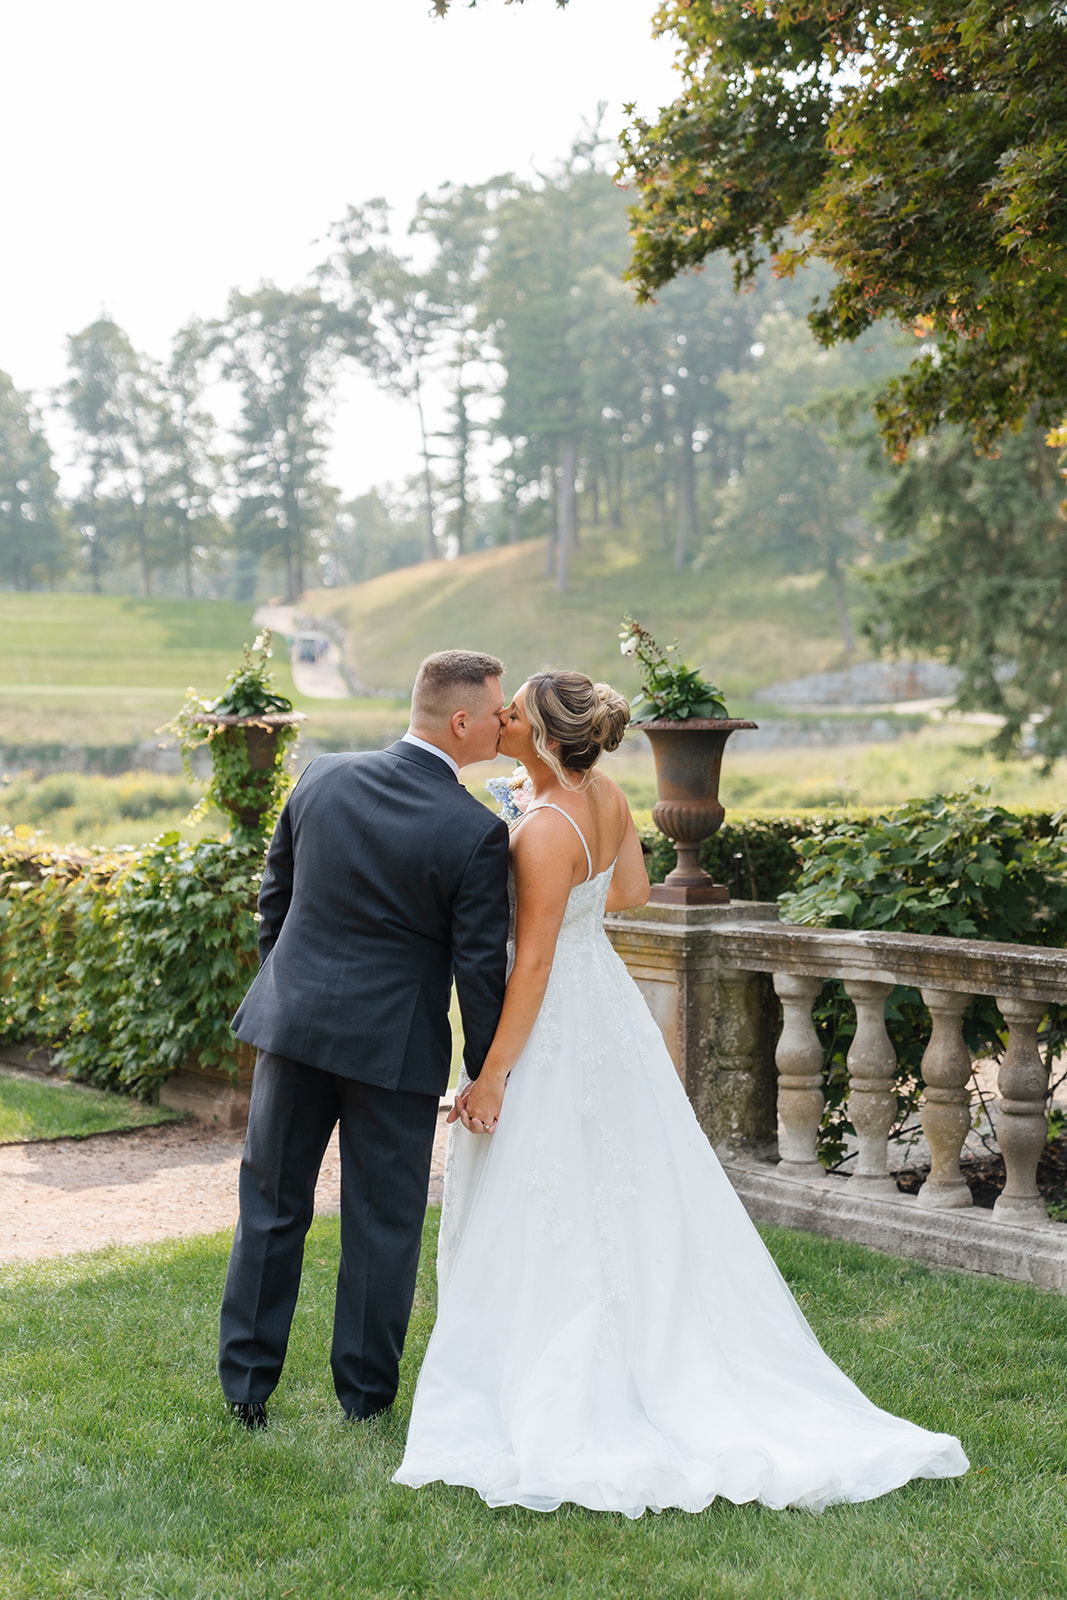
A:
424	744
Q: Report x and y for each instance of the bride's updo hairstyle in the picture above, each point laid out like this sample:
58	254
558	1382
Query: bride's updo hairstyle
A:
582	717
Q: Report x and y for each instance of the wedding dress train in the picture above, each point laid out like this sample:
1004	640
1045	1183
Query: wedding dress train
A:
611	1330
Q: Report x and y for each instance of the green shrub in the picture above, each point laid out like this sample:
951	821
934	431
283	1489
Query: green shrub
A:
767	845
130	962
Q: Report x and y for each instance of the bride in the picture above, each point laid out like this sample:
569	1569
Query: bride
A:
611	1330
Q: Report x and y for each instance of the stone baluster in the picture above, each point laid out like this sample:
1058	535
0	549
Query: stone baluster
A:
1022	1126
799	1062
946	1110
872	1101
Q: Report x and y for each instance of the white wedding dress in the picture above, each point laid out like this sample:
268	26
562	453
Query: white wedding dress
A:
611	1330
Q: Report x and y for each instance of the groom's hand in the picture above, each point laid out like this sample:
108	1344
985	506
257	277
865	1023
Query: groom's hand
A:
456	1113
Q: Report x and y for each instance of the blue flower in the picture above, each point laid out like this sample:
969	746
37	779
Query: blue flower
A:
502	792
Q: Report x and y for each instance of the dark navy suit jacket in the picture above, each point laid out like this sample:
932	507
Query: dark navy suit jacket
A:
384	879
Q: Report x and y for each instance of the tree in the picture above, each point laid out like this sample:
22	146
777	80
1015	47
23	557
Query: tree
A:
113	403
920	150
689	343
545	271
983	582
372	535
393	318
33	529
281	349
810	462
191	470
460	221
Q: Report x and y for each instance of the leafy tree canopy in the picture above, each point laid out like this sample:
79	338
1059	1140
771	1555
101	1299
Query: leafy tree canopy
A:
982	581
920	150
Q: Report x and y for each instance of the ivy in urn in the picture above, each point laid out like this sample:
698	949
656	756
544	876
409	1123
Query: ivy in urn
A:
248	730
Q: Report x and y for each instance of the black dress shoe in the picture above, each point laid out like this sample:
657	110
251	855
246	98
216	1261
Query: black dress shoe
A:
252	1413
369	1416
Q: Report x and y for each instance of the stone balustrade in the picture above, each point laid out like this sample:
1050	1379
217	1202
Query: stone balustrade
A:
1023	979
711	975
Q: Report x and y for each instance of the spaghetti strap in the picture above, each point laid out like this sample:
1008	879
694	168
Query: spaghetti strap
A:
548	805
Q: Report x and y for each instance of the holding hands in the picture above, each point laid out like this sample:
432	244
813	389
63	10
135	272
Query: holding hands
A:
478	1105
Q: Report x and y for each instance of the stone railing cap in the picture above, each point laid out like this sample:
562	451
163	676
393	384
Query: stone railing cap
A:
972	966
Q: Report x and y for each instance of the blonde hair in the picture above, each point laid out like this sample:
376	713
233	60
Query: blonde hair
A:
582	717
445	681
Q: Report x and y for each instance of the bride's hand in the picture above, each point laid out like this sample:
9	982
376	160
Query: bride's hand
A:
479	1106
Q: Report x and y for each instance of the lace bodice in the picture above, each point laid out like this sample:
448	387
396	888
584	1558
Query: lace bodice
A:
584	915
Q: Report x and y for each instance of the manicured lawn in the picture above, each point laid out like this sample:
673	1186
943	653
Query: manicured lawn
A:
120	1476
107	670
110	641
30	1110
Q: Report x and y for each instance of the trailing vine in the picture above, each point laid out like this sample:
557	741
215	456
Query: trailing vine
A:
249	729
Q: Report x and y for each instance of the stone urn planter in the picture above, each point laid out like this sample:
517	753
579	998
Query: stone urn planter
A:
260	735
688	756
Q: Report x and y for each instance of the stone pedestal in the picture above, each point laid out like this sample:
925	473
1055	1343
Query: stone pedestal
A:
718	1022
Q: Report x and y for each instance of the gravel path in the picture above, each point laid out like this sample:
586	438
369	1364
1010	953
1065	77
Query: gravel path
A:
62	1195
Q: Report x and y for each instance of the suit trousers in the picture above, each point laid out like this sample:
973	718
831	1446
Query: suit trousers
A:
386	1141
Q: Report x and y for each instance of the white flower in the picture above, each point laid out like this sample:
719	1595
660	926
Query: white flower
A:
628	647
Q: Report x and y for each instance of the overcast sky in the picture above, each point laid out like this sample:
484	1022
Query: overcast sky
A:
157	156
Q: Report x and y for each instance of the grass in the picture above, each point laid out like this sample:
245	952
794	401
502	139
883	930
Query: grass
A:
105	671
122	1477
111	644
34	1110
99	671
135	807
742	619
939	758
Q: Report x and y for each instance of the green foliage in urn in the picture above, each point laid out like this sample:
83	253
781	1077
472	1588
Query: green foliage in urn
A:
951	865
131	963
668	689
251	790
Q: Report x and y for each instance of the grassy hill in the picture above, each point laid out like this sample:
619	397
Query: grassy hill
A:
99	670
744	621
105	669
96	670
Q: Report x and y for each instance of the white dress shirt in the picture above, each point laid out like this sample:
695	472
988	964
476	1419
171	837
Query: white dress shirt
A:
424	744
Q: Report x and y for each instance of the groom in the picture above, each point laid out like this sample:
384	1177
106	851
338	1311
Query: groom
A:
384	879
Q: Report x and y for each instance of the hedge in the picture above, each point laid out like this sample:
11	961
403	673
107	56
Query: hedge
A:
129	963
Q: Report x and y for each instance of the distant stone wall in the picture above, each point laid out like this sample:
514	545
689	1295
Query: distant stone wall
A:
785	733
868	683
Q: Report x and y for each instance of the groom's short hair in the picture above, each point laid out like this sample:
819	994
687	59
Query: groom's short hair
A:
444	683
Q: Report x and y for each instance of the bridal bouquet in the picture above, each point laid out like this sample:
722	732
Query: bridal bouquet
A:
668	689
511	794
